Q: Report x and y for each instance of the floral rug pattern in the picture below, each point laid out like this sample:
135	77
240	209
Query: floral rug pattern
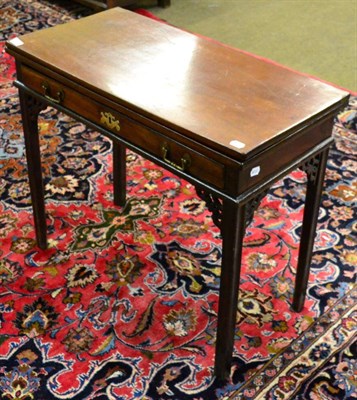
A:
123	303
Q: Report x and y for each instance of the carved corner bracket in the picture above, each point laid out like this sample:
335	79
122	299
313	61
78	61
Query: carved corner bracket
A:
252	206
34	105
214	205
311	167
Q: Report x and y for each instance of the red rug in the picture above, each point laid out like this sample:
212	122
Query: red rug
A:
123	303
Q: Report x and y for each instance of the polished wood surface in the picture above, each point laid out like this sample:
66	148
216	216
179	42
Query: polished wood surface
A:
209	92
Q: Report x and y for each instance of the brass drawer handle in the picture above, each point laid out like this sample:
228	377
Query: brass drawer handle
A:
108	120
185	160
47	93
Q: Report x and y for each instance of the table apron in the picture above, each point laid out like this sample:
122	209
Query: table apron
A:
243	198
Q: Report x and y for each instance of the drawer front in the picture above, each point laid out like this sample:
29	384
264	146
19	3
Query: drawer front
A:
173	153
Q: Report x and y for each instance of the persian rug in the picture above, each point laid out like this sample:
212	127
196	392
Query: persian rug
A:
123	303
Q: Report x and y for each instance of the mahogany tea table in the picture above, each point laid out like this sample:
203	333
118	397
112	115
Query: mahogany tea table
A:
229	123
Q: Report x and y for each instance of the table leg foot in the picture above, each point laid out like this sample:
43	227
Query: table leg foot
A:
315	170
119	173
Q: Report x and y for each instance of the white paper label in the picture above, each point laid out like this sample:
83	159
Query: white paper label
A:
237	144
255	171
16	41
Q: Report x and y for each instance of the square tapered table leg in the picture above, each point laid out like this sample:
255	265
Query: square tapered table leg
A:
119	173
233	230
30	108
315	170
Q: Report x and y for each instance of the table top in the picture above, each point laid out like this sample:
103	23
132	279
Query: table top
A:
221	97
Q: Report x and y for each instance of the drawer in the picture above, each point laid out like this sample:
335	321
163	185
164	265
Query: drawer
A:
170	151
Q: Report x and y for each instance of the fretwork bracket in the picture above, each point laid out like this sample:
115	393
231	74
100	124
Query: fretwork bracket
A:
214	205
311	166
35	105
253	205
